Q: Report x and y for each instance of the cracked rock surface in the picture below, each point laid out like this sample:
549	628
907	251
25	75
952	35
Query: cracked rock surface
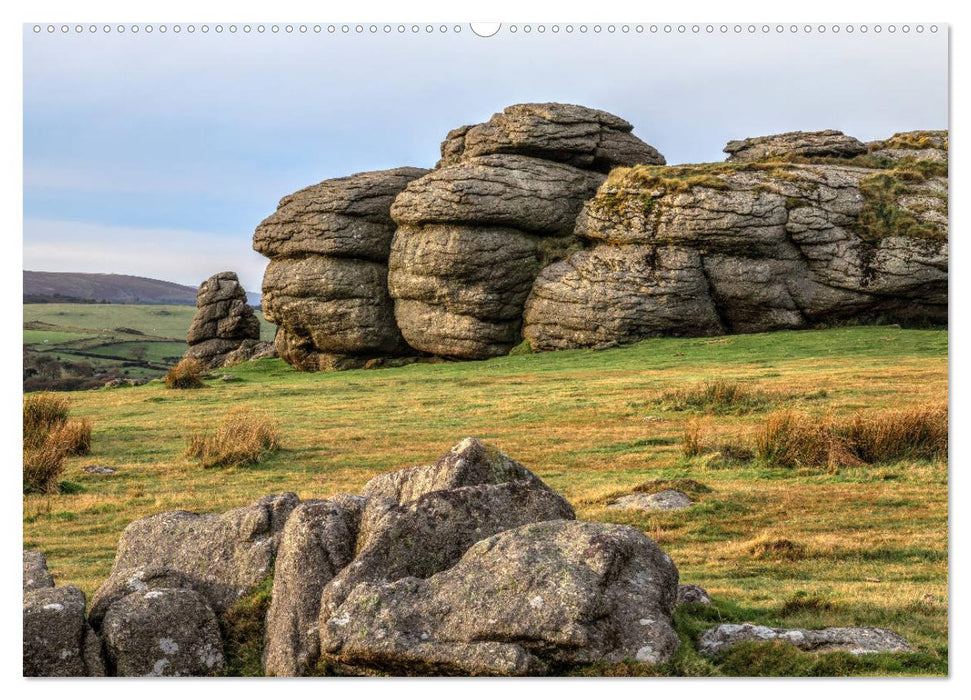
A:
224	323
855	640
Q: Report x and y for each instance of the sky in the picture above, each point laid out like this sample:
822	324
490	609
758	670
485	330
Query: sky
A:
158	154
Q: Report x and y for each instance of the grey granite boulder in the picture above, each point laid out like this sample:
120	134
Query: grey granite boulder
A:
807	144
580	136
163	632
855	640
317	542
223	320
36	574
140	579
222	555
529	600
691	594
57	639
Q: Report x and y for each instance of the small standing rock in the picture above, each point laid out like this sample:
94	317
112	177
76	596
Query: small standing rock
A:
692	594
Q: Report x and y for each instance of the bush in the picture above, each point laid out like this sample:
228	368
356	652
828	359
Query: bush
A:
74	436
185	375
242	438
43	467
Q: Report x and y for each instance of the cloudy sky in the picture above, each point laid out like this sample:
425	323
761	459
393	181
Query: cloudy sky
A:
157	155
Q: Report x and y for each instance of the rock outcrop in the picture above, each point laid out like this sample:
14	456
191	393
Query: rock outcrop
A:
855	640
669	499
800	144
224	323
327	283
221	556
526	601
515	234
706	250
474	233
58	641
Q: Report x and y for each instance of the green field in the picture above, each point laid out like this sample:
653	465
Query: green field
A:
139	341
871	540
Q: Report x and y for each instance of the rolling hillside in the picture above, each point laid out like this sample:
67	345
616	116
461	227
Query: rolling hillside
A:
48	287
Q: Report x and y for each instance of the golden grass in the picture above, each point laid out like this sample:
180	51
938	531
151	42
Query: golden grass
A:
718	396
185	375
49	438
242	438
42	413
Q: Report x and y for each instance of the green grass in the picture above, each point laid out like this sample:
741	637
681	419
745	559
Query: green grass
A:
874	538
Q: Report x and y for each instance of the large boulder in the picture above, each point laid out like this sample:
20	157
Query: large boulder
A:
140	579
855	640
223	320
804	144
163	632
36	574
57	639
222	555
317	542
739	248
529	600
573	134
327	284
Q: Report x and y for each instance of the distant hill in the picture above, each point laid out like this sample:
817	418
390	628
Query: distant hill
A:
82	287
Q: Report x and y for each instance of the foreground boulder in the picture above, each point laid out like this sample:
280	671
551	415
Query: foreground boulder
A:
474	233
805	144
525	601
57	638
327	284
223	322
36	574
140	579
317	542
222	556
164	632
706	250
855	640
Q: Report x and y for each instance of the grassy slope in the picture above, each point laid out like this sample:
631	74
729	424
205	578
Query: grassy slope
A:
589	423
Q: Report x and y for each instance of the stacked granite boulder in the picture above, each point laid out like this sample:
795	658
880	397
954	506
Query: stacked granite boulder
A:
499	206
225	330
746	247
326	285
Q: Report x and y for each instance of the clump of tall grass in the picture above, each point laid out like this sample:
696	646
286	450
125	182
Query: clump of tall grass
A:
242	438
718	396
794	439
185	375
769	547
49	438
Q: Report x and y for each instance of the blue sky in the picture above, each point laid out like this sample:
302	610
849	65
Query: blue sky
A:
157	155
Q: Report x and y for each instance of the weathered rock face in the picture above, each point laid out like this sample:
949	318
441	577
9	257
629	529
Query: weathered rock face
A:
57	639
806	144
223	556
326	287
474	233
525	601
36	574
855	640
140	579
317	542
223	322
579	136
163	632
704	250
909	145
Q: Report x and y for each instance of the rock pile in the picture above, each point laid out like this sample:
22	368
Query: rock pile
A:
225	330
517	233
326	286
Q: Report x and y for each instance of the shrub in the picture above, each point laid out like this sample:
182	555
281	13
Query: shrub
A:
42	413
43	467
241	439
185	375
719	396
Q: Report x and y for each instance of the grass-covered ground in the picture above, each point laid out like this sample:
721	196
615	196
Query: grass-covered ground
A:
136	340
869	543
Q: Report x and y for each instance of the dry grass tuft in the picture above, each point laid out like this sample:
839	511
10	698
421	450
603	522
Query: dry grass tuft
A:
693	438
242	438
718	396
792	439
185	375
802	602
768	547
49	438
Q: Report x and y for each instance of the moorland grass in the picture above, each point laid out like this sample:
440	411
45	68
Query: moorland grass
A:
875	536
